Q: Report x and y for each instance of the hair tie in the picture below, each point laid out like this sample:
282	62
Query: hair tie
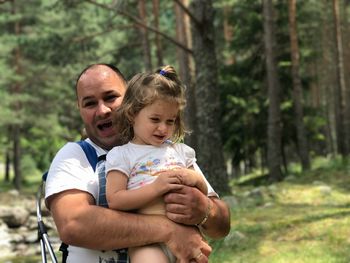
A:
162	72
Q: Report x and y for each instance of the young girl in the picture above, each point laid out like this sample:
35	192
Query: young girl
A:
150	123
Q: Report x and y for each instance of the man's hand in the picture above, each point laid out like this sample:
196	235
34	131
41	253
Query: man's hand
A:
189	206
187	244
186	206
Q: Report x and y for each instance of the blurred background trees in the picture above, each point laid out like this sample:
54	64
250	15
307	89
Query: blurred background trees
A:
221	49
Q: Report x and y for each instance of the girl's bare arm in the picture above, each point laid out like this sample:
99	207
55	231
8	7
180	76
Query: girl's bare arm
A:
119	198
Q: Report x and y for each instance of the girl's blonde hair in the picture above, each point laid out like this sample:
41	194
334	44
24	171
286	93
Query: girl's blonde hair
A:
144	89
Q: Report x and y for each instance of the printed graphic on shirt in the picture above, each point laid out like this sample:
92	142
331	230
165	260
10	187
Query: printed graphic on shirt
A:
143	172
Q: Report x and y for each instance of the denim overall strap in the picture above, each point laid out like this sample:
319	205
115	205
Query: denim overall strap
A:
101	172
102	201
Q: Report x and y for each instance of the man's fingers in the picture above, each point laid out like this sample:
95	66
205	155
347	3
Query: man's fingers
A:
206	249
200	258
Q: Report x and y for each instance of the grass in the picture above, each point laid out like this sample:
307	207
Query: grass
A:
303	219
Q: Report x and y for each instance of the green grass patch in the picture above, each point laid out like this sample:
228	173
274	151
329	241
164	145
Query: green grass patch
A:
304	219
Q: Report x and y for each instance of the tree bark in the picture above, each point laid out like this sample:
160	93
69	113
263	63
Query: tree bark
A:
274	151
228	35
327	79
210	150
144	36
297	89
159	49
343	119
7	166
17	159
16	89
185	73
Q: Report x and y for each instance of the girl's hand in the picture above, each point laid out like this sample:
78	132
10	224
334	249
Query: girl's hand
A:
167	182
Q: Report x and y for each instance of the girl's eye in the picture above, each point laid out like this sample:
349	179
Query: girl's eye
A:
154	119
170	122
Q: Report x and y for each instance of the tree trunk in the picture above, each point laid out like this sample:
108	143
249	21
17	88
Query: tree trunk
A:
16	89
17	159
346	41
344	121
159	50
144	36
7	166
297	89
327	79
185	75
228	35
210	150
274	151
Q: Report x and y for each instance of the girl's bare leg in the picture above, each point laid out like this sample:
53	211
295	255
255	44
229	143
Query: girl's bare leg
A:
148	254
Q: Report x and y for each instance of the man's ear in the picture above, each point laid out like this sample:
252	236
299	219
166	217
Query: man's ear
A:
83	134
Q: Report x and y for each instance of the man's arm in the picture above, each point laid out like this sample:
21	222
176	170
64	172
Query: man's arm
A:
189	206
81	223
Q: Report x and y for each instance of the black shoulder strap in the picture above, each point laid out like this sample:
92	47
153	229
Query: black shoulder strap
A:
64	249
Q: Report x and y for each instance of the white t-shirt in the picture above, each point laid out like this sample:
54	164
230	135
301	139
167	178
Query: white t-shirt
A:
70	169
142	162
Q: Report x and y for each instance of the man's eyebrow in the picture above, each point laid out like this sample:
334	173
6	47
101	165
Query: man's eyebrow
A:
112	92
87	98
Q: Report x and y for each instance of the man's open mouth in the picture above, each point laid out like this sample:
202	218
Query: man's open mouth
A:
104	126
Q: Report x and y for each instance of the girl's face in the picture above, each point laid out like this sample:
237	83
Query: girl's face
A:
155	123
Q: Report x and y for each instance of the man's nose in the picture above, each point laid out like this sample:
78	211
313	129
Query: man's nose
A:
103	109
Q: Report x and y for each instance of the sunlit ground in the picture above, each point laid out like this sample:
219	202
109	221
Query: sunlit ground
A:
303	219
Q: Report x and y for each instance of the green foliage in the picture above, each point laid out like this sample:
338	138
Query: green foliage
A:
57	39
28	164
243	84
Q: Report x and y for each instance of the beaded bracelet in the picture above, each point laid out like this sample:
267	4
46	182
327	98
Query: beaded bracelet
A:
207	212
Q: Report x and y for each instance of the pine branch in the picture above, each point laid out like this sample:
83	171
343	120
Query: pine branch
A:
87	37
140	23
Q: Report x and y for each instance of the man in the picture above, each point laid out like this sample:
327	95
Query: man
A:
93	232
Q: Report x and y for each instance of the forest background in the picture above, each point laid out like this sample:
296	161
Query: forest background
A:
268	83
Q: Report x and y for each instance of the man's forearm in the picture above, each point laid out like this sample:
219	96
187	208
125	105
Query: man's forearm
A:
87	225
113	229
90	226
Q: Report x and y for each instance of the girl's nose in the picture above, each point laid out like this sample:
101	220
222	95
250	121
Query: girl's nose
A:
162	127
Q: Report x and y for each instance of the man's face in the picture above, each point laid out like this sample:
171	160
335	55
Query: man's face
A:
100	90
